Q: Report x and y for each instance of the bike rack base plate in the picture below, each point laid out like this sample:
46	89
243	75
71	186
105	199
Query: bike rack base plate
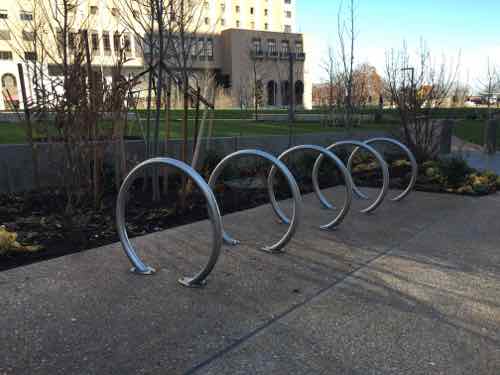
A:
188	282
148	272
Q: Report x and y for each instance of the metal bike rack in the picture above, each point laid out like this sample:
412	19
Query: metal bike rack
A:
411	157
297	205
213	210
338	163
380	160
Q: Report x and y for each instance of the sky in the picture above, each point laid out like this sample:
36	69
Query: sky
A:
469	29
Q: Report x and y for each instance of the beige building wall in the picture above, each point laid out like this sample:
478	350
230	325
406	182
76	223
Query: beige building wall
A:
230	25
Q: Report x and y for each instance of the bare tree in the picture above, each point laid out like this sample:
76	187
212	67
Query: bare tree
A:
490	84
417	86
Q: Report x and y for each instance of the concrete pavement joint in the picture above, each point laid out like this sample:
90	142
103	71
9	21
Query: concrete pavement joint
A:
288	311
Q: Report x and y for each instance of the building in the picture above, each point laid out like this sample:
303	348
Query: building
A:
246	44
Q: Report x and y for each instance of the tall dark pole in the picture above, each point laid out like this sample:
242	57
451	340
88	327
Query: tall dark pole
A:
291	98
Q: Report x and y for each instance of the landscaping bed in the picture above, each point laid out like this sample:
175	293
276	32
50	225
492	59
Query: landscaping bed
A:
34	226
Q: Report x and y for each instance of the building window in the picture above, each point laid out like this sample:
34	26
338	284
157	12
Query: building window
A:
116	42
266	12
285	47
237	9
94	9
252	25
299	47
237	23
193	47
3	14
28	36
201	48
94	38
223	7
106	42
288	14
30	56
207	21
271	47
127	43
257	46
288	1
5	55
222	22
288	29
115	12
210	48
266	26
138	46
26	16
4	35
72	40
251	10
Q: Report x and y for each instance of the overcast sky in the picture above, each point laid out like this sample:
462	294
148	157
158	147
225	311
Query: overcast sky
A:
450	27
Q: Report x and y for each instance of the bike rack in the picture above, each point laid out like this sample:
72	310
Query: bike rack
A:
139	267
338	163
297	199
220	236
380	160
413	162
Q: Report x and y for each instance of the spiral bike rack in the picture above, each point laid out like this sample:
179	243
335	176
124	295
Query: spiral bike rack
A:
139	267
411	157
381	162
297	199
338	163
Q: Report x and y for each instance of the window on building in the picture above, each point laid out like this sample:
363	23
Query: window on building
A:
299	46
288	1
266	26
201	48
266	12
138	46
237	23
115	12
223	7
28	36
72	41
30	56
210	48
5	55
127	43
257	46
94	9
4	35
222	22
94	41
237	9
106	43
3	14
288	29
193	47
117	42
271	47
288	14
207	21
252	25
251	10
26	16
285	47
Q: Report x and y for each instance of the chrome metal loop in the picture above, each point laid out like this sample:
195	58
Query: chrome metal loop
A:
338	163
297	205
213	210
380	160
411	157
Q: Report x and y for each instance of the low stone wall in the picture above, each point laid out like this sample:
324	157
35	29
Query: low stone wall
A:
311	117
16	169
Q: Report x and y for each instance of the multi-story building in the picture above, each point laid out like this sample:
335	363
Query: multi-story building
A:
249	45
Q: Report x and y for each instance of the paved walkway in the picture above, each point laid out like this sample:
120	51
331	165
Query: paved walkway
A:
411	289
482	161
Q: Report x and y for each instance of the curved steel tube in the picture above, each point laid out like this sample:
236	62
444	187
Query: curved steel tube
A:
380	160
213	210
345	173
411	157
297	206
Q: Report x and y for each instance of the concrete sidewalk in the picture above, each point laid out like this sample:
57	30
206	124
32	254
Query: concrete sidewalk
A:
411	289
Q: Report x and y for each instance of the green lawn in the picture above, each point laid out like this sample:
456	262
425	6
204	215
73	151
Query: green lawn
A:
15	133
473	131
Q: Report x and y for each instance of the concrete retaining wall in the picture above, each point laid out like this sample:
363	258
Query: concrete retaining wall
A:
16	169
